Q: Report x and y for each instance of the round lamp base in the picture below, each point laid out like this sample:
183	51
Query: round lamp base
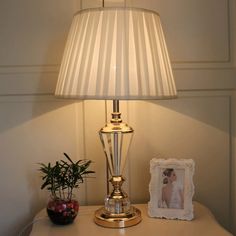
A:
106	219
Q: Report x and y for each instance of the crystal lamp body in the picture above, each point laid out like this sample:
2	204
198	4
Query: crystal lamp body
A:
117	212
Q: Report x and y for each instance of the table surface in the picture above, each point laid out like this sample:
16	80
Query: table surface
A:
203	224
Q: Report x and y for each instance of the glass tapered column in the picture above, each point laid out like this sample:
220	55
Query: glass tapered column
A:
116	137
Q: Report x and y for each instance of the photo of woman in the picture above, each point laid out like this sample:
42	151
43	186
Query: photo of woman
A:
172	190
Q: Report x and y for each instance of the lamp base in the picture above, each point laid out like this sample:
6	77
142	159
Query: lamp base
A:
109	220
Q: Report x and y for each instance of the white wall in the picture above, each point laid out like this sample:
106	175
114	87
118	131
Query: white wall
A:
36	127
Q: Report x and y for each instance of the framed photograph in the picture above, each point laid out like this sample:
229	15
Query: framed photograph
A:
171	188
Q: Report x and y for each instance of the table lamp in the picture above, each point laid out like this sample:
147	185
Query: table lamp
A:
116	54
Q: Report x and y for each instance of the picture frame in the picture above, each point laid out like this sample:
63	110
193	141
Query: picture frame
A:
171	188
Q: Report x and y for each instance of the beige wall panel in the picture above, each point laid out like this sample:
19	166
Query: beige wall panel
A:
28	81
94	120
34	32
99	3
233	167
205	79
196	128
91	3
196	31
233	31
30	133
115	3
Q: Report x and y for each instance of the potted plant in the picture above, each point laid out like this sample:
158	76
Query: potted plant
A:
61	179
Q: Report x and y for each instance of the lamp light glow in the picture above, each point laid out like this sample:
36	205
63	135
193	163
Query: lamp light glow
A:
113	54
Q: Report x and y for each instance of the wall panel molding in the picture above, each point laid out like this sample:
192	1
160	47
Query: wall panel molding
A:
19	77
34	32
196	31
42	80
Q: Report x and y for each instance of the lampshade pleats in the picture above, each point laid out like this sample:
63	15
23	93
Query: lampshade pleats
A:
116	53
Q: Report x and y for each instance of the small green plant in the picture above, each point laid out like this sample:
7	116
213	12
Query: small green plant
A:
63	177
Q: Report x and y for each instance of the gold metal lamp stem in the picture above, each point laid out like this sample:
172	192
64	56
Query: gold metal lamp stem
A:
116	137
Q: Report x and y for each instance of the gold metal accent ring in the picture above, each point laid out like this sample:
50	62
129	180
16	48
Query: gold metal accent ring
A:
117	220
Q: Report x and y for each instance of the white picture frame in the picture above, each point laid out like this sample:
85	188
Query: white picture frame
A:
171	189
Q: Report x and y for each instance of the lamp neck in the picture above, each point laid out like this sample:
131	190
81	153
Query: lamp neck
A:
116	105
116	115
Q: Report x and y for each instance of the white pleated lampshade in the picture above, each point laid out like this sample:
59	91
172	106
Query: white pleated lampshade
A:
116	53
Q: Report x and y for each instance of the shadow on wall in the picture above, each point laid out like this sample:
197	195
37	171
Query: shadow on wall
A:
19	110
187	127
213	111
